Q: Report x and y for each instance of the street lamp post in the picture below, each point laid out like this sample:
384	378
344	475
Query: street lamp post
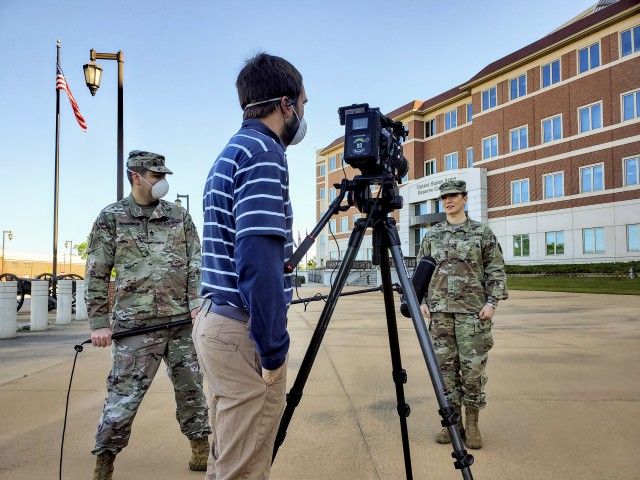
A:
179	203
10	235
69	244
92	76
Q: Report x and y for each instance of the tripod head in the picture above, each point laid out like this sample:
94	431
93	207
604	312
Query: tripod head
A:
360	195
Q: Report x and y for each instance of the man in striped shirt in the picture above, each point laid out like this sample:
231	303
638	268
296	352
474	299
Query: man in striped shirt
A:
241	332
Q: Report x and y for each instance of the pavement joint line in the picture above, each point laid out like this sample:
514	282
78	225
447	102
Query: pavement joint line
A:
355	413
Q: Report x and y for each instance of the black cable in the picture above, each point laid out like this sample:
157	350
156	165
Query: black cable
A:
78	349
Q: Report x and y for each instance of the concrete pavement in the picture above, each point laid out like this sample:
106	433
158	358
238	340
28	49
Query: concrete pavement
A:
563	399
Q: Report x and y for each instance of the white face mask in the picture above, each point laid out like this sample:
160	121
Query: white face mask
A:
302	124
159	190
301	131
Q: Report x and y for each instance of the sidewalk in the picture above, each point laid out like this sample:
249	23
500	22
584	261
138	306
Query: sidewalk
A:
563	399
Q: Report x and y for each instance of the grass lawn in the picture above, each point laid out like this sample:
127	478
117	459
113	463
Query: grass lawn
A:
611	285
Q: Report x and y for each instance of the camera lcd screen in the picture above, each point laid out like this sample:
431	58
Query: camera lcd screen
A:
360	123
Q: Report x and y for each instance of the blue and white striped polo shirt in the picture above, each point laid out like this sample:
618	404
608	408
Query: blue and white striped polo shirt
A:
246	198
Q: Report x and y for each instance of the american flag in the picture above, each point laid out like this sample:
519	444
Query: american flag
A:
61	84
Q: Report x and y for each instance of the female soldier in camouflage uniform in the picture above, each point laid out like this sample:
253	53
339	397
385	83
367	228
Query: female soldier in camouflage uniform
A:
468	281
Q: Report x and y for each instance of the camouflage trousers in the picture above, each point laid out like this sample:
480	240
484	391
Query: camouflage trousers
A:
462	342
135	361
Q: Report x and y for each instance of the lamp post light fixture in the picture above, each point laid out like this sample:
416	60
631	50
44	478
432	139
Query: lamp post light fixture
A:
69	244
92	77
178	202
10	235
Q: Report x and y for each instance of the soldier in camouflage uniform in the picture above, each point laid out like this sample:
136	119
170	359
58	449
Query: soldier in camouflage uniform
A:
468	281
154	248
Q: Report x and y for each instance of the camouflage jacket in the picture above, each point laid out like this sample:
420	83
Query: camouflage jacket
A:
469	267
157	268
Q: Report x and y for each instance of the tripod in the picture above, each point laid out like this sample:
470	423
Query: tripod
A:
385	241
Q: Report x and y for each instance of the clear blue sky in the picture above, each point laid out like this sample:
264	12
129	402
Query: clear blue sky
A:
181	61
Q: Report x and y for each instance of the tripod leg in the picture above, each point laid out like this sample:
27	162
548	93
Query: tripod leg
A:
295	394
463	460
399	374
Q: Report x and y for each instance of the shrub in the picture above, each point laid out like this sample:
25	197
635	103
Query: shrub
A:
617	268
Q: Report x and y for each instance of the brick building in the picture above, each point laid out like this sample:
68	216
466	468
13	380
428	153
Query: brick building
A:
547	139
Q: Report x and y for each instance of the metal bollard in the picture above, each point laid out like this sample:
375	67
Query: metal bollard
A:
39	305
65	299
81	304
8	310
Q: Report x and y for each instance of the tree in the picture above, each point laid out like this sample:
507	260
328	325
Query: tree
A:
81	248
312	263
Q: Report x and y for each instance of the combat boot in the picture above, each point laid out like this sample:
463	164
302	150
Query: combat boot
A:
199	454
104	466
474	438
443	435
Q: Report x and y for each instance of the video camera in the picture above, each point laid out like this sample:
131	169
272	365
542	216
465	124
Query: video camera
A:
373	142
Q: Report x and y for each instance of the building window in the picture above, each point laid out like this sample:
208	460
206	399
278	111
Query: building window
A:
521	245
322	170
332	225
552	129
450	120
632	171
593	240
553	185
519	192
588	58
590	117
519	138
322	193
630	41
332	194
592	178
470	157
419	234
356	217
429	167
430	128
344	224
633	238
469	112
490	147
332	163
555	243
405	179
438	206
631	105
550	73
333	255
451	161
518	86
323	239
489	98
420	208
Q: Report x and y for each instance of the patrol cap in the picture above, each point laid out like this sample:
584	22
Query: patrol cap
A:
453	186
149	160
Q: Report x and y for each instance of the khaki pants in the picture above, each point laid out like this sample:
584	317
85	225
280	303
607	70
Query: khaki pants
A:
244	411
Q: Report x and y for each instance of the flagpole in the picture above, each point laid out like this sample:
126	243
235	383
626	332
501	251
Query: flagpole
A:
56	176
